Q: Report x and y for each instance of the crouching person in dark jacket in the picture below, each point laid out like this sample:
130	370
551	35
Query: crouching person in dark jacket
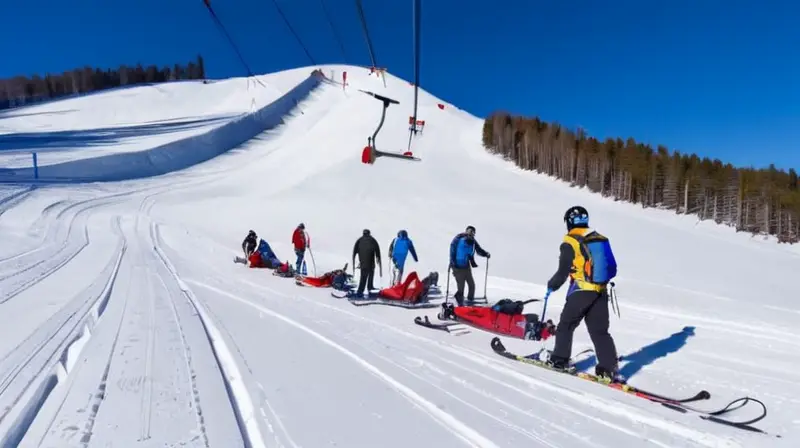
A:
369	253
249	244
462	260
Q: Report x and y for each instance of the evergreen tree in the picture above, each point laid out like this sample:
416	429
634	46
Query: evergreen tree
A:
761	201
21	90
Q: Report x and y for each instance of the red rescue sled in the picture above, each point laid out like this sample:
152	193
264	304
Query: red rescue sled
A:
511	324
337	279
412	293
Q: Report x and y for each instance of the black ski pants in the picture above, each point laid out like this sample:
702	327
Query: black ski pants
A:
592	306
464	275
366	279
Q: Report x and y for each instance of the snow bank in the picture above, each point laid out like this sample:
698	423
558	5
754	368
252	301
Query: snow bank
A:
19	419
171	156
237	390
12	197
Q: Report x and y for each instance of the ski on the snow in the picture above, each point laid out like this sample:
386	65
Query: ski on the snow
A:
373	299
425	322
394	303
677	404
348	294
477	301
447	327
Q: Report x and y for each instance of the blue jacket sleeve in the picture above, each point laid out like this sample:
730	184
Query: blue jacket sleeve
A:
411	249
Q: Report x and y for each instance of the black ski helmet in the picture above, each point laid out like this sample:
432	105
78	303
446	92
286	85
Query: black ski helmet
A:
576	216
365	232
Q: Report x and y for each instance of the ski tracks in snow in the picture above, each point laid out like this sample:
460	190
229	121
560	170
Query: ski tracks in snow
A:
458	428
527	402
481	400
131	338
67	236
33	369
12	196
142	364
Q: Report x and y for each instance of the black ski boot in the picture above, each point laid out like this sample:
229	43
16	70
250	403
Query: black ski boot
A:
447	312
607	375
561	364
537	330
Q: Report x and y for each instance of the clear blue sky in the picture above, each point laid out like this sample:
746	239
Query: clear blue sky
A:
716	77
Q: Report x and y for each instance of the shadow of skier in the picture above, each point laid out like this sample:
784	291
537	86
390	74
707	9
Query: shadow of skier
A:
646	355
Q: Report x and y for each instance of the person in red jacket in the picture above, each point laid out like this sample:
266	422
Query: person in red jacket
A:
301	242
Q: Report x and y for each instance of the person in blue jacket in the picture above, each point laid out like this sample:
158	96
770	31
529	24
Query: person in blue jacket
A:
267	255
398	252
462	259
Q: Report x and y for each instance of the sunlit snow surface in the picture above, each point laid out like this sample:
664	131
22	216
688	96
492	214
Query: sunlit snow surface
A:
125	322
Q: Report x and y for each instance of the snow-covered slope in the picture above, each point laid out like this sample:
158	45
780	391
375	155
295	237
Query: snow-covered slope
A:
142	131
125	321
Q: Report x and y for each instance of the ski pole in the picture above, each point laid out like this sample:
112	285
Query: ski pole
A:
613	296
313	263
486	281
447	289
544	307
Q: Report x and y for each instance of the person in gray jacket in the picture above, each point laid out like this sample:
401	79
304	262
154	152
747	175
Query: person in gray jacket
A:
369	253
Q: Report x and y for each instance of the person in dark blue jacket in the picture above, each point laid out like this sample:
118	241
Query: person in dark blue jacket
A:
268	257
462	259
398	252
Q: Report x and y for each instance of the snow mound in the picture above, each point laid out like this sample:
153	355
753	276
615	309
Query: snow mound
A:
110	137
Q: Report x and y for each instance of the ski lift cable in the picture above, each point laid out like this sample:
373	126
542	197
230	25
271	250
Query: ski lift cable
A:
361	16
235	47
417	15
333	28
294	33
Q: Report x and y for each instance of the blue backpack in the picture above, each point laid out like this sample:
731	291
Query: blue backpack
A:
600	266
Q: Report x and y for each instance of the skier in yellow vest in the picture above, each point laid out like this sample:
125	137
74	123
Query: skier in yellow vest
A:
587	260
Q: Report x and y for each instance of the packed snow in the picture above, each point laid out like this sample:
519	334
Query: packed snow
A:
114	122
125	321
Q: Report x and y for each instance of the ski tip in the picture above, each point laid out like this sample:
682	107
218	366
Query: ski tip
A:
703	395
497	345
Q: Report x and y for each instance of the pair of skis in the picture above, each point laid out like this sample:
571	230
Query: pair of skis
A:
448	324
374	299
683	405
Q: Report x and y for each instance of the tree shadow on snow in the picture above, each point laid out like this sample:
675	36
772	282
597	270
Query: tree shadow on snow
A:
53	141
646	355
